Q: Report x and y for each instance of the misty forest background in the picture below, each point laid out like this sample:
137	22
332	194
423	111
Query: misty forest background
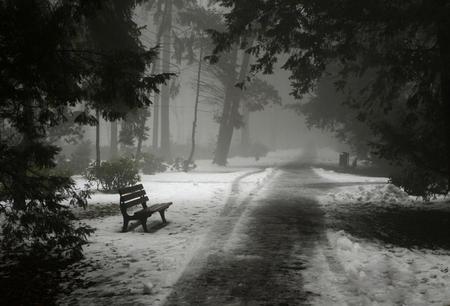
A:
108	88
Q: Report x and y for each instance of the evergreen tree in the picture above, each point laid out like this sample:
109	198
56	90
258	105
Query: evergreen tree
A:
55	56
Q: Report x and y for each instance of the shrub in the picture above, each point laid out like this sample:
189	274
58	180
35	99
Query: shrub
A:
151	164
420	182
178	164
44	228
39	233
42	233
113	175
39	240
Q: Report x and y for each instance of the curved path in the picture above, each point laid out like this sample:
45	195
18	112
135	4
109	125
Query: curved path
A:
264	268
256	252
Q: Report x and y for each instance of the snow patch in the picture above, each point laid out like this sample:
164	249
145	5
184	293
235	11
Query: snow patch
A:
124	264
346	177
372	273
382	195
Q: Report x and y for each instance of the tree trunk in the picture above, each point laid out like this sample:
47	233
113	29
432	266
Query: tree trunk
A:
114	140
141	133
194	123
229	118
155	137
139	148
444	52
221	153
97	139
245	132
156	69
165	92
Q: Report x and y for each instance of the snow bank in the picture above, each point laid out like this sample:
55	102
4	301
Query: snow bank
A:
379	194
351	189
371	273
346	177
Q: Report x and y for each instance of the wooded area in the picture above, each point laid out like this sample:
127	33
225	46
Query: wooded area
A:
374	73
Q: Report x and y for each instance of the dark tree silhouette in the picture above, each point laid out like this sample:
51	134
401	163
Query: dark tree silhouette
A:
55	55
404	45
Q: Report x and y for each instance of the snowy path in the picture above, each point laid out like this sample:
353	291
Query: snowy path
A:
261	261
118	266
293	236
286	247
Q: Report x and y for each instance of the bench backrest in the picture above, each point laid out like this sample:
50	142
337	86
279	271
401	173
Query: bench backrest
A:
131	196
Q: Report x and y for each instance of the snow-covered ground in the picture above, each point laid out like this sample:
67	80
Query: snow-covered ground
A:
373	190
140	268
349	270
347	178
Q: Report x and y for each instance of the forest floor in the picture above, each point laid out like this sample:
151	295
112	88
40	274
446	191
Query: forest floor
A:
269	233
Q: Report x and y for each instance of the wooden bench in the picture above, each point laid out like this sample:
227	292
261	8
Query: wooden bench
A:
135	195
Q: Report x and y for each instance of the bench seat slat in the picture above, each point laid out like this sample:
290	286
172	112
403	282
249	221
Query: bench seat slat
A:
131	196
135	202
152	209
131	189
159	206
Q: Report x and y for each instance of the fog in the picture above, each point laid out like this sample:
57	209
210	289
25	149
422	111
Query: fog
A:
224	152
277	126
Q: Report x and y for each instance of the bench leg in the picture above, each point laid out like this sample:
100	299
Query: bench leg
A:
144	225
125	225
161	212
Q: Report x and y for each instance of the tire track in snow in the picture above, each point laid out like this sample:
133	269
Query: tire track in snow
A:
264	266
222	230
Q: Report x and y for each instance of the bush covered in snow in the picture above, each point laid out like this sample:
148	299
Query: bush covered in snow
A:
113	175
421	182
181	164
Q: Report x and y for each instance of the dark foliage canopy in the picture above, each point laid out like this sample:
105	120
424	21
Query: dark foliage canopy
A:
398	51
58	56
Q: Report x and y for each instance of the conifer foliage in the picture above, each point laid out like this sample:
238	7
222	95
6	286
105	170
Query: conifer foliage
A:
55	56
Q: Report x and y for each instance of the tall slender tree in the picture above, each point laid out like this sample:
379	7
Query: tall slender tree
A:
165	91
245	131
114	143
231	117
97	139
197	99
156	102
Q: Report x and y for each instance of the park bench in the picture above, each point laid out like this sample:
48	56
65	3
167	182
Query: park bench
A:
135	195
